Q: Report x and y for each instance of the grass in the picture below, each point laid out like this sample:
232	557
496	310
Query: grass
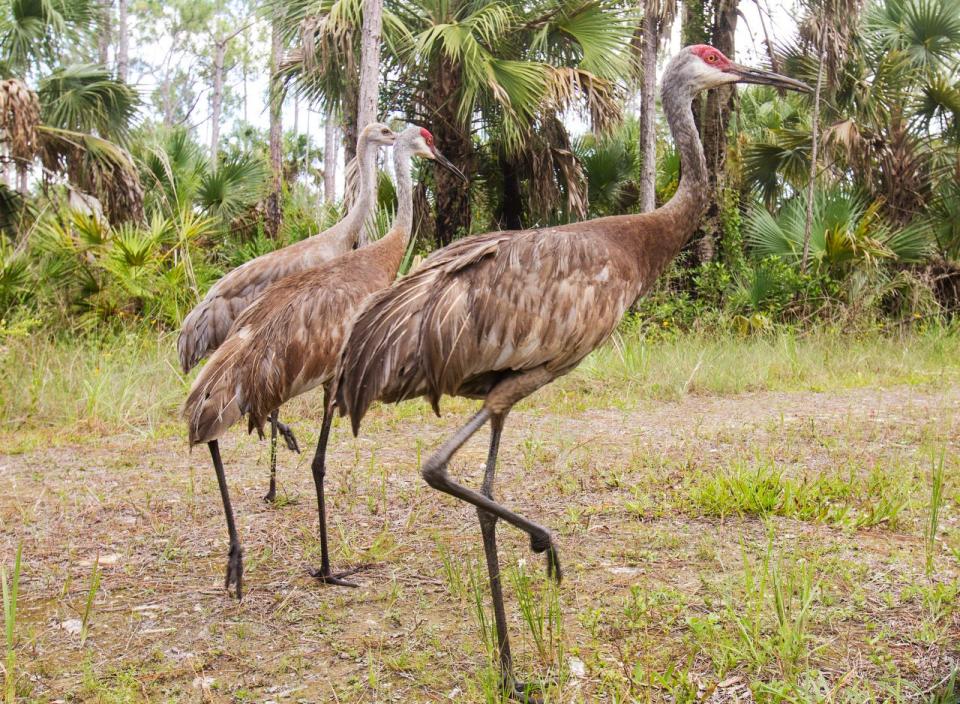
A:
132	384
764	489
10	593
936	504
780	545
95	578
722	363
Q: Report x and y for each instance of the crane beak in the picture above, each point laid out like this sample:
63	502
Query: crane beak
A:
745	74
445	163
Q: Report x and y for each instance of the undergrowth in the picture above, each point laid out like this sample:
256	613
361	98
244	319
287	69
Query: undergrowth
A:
129	381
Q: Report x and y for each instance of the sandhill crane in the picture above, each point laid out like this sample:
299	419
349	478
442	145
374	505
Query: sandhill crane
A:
496	316
287	342
208	324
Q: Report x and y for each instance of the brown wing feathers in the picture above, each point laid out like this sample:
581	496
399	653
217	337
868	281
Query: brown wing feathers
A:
483	309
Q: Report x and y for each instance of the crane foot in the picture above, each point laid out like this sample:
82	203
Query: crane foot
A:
520	692
235	570
543	542
288	437
337	579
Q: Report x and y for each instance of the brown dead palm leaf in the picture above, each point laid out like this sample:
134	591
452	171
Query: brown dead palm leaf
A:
19	119
94	166
830	26
556	178
570	87
906	174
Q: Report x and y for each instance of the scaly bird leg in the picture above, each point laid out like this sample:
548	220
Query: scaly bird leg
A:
235	559
272	491
488	528
434	472
288	437
319	472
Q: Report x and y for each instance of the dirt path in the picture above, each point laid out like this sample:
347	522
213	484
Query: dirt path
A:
654	580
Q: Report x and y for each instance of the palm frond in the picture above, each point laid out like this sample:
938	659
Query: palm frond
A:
86	98
96	166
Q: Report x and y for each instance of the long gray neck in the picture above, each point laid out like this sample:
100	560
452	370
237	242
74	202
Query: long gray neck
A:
363	204
691	195
403	220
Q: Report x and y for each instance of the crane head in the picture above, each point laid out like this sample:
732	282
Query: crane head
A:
420	143
379	134
702	67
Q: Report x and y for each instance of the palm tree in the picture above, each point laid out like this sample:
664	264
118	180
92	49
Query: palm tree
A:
890	114
85	115
510	71
76	119
477	69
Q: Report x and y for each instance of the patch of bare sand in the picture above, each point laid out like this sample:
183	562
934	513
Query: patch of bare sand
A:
163	627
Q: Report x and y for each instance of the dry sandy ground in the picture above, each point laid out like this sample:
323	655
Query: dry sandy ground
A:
643	565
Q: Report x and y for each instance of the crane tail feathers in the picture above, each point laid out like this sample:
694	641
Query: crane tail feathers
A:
212	405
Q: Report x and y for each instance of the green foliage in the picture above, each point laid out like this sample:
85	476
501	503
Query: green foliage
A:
234	188
846	233
86	98
36	32
84	270
611	165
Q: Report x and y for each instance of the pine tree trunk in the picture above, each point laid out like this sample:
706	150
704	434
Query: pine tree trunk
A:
716	25
349	111
123	46
369	62
274	212
369	75
216	102
815	134
330	160
452	194
105	32
648	107
166	91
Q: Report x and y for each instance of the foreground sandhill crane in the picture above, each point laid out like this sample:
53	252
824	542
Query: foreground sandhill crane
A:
287	342
207	325
499	315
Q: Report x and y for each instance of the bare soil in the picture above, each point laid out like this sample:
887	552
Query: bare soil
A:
614	486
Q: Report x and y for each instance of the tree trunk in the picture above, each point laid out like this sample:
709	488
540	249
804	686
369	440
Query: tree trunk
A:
123	47
245	80
274	211
369	75
166	90
330	160
216	101
349	111
369	62
815	133
648	106
105	32
453	137
714	120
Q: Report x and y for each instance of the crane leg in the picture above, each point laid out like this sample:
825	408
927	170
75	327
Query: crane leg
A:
235	558
488	528
286	433
434	472
324	575
272	491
